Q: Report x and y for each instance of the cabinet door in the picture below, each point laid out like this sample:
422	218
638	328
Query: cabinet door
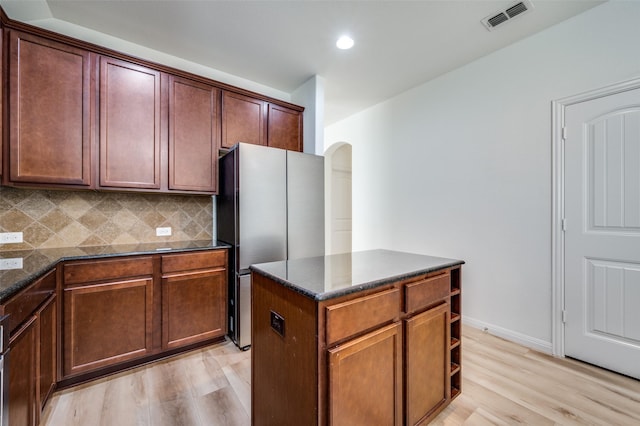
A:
129	125
193	135
47	339
21	366
427	364
107	323
365	379
244	119
193	307
285	128
49	107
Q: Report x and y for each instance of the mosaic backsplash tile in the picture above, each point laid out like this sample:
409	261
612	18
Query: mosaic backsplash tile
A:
52	219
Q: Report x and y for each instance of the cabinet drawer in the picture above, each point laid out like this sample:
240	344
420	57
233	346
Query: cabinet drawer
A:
103	270
355	316
191	261
423	293
23	306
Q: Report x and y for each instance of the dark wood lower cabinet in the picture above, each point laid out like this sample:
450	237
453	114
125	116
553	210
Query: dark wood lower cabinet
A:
191	307
115	313
121	311
31	358
107	323
427	378
47	327
22	375
370	363
194	298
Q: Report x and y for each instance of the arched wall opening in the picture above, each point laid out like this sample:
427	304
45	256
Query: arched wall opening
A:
338	208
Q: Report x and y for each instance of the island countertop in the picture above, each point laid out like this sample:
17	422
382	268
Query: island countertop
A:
327	277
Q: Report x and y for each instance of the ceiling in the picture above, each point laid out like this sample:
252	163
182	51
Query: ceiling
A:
281	44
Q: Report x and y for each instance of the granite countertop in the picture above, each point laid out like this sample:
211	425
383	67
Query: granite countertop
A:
326	277
36	263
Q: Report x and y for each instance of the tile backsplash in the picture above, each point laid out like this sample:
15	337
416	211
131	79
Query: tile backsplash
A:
50	219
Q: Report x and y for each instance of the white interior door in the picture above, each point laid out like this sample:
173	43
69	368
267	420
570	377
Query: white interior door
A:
602	237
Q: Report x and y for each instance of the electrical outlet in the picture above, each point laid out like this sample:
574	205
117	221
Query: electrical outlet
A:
12	263
10	237
163	232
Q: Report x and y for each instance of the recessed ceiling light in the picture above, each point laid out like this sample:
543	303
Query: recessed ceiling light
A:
344	43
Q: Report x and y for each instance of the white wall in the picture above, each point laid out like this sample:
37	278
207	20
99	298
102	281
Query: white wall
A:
310	95
136	50
461	166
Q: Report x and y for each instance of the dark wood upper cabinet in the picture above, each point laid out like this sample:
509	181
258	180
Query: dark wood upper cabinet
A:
77	115
130	123
285	128
194	134
49	107
244	119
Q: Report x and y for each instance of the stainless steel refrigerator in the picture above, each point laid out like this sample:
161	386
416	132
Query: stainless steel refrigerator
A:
270	207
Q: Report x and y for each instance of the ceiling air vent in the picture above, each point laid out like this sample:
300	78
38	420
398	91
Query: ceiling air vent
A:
502	16
498	19
516	9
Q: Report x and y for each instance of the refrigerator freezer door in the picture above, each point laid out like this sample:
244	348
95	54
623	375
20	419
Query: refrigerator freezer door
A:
262	193
226	202
305	199
243	325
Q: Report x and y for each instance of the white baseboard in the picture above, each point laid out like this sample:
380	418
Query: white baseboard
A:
514	336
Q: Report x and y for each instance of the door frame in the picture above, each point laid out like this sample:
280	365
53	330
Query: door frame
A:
329	193
558	108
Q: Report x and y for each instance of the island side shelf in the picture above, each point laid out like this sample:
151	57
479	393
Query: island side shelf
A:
456	332
382	354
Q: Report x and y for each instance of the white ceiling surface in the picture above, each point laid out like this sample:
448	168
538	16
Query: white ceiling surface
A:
281	44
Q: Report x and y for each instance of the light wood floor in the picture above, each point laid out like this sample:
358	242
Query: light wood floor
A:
503	384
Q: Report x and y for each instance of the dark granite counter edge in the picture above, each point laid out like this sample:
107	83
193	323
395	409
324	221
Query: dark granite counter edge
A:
354	289
13	289
8	292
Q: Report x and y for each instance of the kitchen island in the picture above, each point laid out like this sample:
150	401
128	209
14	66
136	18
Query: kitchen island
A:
369	337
